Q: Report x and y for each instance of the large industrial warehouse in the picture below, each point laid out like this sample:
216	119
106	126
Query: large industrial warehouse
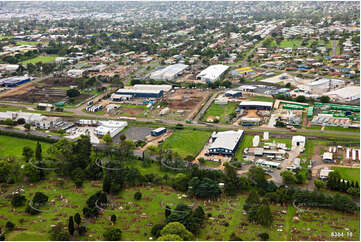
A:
225	143
14	81
212	73
347	94
143	91
168	73
256	105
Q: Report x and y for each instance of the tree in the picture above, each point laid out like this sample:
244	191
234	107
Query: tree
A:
77	219
252	200
107	139
5	170
156	230
33	174
319	184
113	218
112	234
71	226
170	237
204	188
264	236
57	233
72	93
27	153
40	199
264	214
234	184
176	228
38	151
257	175
301	99
325	99
288	177
180	182
8	122
9	226
138	196
18	200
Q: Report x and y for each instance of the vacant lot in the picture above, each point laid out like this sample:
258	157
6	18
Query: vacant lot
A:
43	59
246	143
222	111
260	98
11	146
187	142
348	173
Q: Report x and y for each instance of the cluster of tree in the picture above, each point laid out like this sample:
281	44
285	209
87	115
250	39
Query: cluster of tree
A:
94	203
306	198
81	229
39	200
336	183
258	211
182	217
298	176
14	59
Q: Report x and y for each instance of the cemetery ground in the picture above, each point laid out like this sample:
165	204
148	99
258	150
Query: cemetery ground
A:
136	218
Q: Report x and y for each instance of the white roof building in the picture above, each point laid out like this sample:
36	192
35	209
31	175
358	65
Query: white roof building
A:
348	93
145	87
169	72
255	104
212	73
75	73
111	127
225	142
298	140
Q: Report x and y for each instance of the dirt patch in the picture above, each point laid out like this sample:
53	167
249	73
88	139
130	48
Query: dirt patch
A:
251	114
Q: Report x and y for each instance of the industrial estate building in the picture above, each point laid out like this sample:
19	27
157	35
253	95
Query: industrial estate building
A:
256	105
212	73
168	73
347	94
14	81
140	91
225	143
158	131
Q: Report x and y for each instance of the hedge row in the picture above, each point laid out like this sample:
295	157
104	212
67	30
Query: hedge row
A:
27	136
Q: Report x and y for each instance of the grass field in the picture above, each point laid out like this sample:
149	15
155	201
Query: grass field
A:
342	129
222	111
246	142
348	173
187	142
43	59
31	42
11	146
136	218
260	98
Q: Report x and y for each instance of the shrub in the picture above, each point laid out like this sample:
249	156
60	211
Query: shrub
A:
138	196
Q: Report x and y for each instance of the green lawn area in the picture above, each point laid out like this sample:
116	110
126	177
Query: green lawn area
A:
222	111
348	173
246	143
11	146
260	98
342	129
4	108
310	147
187	142
43	59
31	42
